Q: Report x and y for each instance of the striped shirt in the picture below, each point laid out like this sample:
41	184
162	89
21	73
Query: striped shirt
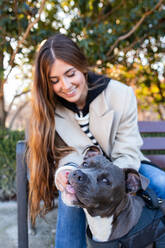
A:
83	122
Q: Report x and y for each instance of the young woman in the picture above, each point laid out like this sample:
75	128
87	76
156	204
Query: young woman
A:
73	108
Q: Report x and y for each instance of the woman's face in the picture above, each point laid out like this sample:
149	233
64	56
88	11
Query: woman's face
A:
69	83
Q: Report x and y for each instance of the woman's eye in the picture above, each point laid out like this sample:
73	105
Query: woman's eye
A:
71	74
54	82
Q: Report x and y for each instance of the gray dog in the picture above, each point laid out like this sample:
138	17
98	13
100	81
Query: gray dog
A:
115	215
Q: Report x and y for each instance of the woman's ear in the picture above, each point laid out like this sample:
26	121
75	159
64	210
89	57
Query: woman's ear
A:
135	181
91	151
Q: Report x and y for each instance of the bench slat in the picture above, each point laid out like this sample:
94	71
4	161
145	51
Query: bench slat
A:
157	160
153	143
151	127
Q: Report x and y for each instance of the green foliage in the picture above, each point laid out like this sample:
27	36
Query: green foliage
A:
112	19
99	24
8	140
15	17
96	25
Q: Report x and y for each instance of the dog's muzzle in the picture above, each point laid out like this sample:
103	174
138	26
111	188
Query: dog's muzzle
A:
77	176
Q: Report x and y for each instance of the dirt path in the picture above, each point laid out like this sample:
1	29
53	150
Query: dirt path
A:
8	228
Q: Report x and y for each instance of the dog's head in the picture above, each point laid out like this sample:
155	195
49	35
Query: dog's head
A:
100	186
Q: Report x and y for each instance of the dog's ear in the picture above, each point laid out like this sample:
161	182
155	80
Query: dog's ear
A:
91	151
135	181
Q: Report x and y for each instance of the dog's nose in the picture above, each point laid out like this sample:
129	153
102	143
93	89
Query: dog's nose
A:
79	176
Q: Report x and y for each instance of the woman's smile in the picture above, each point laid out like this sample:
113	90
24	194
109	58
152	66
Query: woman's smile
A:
69	83
71	92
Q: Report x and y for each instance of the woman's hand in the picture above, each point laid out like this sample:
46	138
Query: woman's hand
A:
62	179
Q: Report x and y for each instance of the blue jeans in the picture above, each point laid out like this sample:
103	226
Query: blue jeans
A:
157	178
71	225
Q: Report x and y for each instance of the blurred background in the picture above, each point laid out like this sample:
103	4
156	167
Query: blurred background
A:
124	39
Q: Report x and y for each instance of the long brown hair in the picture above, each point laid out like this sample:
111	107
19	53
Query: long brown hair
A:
43	155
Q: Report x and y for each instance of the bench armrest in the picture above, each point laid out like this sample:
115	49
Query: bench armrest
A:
22	195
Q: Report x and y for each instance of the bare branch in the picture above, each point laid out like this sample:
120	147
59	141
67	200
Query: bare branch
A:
125	50
16	114
21	41
136	41
125	36
16	96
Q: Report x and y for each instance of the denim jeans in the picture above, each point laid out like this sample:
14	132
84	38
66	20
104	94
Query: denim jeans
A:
157	178
71	225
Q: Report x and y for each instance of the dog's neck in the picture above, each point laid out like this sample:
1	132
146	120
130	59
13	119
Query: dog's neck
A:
117	225
101	228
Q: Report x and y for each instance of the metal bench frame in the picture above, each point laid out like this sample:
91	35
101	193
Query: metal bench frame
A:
150	144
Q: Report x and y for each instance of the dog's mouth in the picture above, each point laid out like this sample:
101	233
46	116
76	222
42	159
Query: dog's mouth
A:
70	189
77	193
71	195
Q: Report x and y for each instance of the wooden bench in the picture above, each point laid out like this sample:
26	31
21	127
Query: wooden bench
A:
153	134
154	149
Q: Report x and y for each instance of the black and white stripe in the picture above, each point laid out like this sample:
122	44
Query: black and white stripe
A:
83	122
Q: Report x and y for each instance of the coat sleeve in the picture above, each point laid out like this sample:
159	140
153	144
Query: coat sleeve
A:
126	148
74	156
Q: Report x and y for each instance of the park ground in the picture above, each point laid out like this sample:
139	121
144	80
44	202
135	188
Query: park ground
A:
44	238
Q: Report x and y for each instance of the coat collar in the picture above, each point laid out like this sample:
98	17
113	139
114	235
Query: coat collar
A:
97	84
98	105
101	119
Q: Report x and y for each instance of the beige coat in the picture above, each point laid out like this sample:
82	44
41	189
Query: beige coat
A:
113	123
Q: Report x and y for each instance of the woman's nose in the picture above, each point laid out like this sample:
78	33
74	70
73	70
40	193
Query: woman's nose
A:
66	84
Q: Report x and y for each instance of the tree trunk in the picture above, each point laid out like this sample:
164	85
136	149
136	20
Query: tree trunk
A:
2	101
2	108
16	114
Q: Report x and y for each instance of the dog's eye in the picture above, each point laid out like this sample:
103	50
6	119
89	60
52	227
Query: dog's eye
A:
85	164
105	180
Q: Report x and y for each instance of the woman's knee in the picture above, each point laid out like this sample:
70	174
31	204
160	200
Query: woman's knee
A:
159	181
156	177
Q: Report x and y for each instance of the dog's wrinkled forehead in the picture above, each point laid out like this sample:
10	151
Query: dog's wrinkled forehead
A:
101	163
98	161
94	160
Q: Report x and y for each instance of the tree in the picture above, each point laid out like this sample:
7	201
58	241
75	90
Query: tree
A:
128	33
21	26
111	32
